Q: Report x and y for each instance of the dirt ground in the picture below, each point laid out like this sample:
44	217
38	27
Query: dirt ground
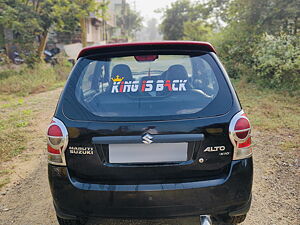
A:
26	200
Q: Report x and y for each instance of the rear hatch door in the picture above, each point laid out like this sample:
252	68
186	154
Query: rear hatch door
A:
148	117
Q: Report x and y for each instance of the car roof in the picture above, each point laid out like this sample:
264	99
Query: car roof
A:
205	46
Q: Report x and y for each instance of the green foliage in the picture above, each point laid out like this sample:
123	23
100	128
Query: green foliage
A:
130	22
28	19
13	135
31	20
197	30
271	110
277	62
85	7
257	40
271	16
4	58
235	47
14	123
260	43
187	20
31	58
174	18
32	80
21	18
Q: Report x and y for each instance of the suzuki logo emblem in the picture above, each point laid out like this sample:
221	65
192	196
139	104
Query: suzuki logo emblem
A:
147	139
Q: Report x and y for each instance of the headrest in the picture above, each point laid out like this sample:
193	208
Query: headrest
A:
177	72
122	70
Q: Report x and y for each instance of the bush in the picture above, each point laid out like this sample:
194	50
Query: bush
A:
269	61
277	63
62	69
235	46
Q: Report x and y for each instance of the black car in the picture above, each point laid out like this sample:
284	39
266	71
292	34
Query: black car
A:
150	130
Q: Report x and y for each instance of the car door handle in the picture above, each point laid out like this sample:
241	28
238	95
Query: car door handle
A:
148	139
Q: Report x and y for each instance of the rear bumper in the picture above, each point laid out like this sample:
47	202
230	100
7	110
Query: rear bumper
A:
228	195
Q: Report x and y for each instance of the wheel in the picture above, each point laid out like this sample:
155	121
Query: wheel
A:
238	219
62	221
228	220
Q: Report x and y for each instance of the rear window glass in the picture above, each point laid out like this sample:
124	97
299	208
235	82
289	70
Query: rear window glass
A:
141	86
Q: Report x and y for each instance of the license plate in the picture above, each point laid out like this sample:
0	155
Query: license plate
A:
144	153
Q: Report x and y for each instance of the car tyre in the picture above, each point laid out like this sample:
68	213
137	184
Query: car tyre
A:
62	221
238	219
228	220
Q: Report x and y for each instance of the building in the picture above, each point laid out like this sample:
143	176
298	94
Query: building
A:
100	30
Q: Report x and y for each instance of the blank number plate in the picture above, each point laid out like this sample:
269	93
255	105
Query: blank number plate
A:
144	153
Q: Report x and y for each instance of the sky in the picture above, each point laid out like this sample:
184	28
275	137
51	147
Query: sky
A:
147	7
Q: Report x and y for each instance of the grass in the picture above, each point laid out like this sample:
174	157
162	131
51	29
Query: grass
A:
15	116
13	135
4	172
32	80
15	112
268	109
272	112
4	177
10	104
4	181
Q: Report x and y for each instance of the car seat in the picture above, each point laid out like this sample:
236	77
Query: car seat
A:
178	72
122	70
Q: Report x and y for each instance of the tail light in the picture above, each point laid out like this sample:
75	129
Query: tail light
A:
57	141
240	136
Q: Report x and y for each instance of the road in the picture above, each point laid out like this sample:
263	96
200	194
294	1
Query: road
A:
27	200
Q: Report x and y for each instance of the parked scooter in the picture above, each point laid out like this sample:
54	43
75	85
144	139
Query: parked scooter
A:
16	58
49	56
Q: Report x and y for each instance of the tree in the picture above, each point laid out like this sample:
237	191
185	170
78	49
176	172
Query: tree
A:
218	11
255	39
150	32
50	13
258	41
174	19
182	17
31	19
152	29
130	21
197	30
272	16
21	20
276	62
104	15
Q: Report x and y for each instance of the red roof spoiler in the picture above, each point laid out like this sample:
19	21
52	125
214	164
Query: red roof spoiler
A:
93	49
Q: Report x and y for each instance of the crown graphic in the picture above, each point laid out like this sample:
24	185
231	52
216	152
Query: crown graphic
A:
117	79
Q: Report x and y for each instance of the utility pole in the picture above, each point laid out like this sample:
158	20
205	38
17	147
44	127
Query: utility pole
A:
103	21
123	12
134	5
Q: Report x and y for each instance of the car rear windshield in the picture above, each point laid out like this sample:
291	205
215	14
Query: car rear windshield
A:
147	86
